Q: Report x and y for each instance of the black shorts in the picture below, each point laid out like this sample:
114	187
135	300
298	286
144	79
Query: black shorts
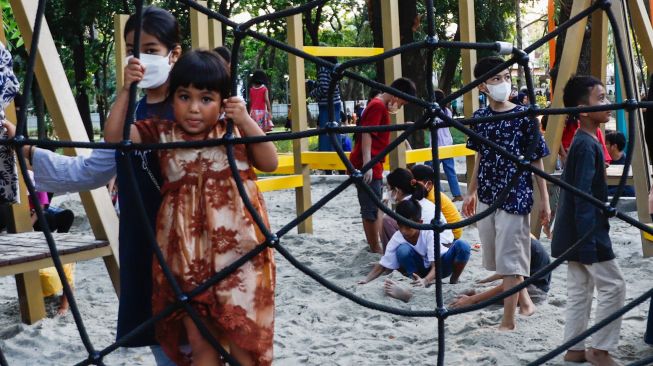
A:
368	208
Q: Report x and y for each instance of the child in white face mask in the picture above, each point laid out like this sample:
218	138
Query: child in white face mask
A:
505	233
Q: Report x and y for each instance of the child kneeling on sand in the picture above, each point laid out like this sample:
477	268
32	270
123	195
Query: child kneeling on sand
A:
412	251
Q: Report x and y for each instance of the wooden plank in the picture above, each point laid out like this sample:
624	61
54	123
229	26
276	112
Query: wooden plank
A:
215	34
343	51
640	159
47	262
30	297
120	48
199	28
555	126
297	87
599	45
67	120
279	183
392	67
643	29
467	24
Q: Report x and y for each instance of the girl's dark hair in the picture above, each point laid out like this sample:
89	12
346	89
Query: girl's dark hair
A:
422	172
158	23
259	77
224	53
410	209
403	179
486	64
203	70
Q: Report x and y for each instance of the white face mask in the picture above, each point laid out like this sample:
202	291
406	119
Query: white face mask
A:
157	70
499	92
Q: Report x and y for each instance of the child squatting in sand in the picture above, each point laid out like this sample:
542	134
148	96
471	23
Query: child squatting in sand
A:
202	224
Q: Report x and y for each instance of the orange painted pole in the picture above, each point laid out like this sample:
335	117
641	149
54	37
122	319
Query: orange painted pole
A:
551	27
650	10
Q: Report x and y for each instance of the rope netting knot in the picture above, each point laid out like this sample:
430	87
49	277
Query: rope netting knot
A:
432	111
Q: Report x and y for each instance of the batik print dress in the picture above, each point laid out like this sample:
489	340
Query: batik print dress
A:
202	227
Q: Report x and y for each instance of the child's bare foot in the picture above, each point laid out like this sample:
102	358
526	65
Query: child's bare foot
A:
63	306
599	357
393	290
575	356
527	310
506	327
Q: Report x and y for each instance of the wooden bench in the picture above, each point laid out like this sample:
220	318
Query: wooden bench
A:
23	254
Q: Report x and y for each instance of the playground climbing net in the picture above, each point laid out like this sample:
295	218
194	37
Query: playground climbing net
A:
431	111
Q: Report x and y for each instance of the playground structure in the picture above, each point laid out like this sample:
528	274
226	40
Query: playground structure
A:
104	222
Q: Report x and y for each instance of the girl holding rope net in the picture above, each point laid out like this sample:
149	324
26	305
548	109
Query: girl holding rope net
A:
202	224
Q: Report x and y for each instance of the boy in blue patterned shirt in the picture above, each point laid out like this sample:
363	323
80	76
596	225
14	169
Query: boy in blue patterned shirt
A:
505	233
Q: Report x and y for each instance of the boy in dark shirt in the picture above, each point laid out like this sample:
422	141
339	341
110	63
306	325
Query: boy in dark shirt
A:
505	233
615	142
592	264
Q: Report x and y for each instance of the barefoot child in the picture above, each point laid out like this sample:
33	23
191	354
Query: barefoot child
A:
412	252
505	233
592	265
203	225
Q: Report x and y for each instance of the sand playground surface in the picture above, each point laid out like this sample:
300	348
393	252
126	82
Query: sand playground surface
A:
314	326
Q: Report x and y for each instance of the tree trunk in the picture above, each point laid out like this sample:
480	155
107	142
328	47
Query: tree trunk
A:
519	43
450	67
313	26
564	12
374	14
39	110
413	64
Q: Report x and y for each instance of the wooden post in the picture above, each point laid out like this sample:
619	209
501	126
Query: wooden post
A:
119	21
468	34
215	34
30	297
555	126
67	120
199	28
392	67
640	160
21	220
299	119
599	45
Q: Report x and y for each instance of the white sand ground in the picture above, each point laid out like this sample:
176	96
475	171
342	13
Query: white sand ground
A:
316	327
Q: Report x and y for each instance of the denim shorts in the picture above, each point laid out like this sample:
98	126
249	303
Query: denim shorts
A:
368	208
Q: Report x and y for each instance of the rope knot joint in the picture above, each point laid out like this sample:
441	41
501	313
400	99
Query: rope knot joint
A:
356	175
609	210
19	139
605	4
96	357
441	313
183	298
432	41
273	240
630	104
523	161
331	125
126	145
522	57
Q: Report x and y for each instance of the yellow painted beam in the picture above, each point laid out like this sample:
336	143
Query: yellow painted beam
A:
343	51
279	183
326	160
646	235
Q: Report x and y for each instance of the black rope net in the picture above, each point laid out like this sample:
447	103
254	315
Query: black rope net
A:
431	111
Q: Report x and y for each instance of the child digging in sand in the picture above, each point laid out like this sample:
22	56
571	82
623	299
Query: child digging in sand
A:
202	224
592	265
412	251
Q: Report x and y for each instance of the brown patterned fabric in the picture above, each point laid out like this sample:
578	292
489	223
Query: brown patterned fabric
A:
202	227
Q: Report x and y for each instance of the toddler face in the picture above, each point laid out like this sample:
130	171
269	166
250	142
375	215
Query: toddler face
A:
196	110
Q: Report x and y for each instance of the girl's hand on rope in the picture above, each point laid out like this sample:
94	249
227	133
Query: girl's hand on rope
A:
469	205
368	176
134	72
236	110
